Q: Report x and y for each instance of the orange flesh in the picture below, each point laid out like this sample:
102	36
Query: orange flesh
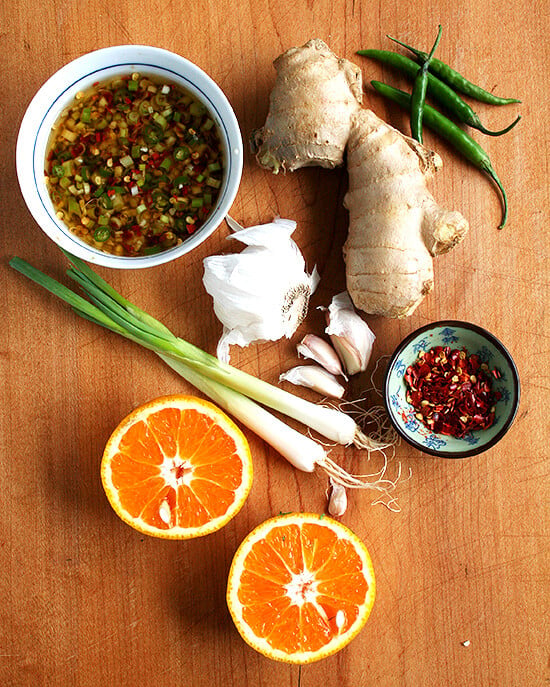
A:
332	581
200	458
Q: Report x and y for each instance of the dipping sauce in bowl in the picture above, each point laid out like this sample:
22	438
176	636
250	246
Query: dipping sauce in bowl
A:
77	154
134	165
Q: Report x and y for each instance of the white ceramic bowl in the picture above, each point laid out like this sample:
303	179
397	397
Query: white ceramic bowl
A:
100	65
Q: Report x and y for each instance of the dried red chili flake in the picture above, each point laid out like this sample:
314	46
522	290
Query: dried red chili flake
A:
451	391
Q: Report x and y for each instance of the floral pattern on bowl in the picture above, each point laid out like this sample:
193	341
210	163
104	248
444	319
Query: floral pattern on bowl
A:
456	335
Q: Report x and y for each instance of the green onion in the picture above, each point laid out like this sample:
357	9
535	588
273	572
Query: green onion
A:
74	207
71	136
231	388
152	250
196	109
160	120
181	181
166	163
86	115
115	312
106	202
126	161
133	85
197	203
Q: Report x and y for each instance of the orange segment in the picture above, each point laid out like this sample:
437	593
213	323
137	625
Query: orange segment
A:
177	467
300	587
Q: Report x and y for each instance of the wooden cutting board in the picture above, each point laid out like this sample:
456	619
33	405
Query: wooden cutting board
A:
462	570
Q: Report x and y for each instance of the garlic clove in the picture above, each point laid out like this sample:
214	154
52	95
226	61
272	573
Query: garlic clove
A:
317	349
350	334
349	355
338	501
314	377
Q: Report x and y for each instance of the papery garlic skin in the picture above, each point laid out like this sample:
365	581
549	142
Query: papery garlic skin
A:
317	349
316	378
350	334
261	293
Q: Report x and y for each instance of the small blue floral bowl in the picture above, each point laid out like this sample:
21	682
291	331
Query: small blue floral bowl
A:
456	335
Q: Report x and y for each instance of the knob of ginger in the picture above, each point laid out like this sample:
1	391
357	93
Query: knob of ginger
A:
396	226
310	110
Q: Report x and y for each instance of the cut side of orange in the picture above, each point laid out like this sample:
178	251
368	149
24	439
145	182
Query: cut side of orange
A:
300	588
177	467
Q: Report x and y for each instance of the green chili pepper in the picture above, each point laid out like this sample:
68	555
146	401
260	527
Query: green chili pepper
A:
160	200
58	171
153	134
439	91
418	97
448	130
457	81
101	234
182	153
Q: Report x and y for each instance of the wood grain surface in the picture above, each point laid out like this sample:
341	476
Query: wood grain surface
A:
463	569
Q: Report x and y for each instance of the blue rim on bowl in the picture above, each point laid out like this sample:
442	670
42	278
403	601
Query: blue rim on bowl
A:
455	334
60	89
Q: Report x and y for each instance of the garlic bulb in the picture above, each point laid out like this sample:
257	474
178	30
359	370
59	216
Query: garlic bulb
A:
263	292
317	349
350	334
314	377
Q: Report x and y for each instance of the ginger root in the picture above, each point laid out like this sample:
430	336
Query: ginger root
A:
310	110
396	226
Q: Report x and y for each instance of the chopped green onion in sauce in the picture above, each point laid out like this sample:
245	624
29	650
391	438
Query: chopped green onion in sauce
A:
134	165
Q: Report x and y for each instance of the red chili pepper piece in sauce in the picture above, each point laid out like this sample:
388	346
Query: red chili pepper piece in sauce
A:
451	391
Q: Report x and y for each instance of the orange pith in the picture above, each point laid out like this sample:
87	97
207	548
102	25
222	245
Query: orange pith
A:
177	467
300	587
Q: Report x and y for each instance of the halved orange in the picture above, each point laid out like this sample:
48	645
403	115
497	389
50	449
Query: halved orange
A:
177	467
300	588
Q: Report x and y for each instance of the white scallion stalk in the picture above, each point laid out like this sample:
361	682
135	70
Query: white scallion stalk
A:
298	449
222	383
